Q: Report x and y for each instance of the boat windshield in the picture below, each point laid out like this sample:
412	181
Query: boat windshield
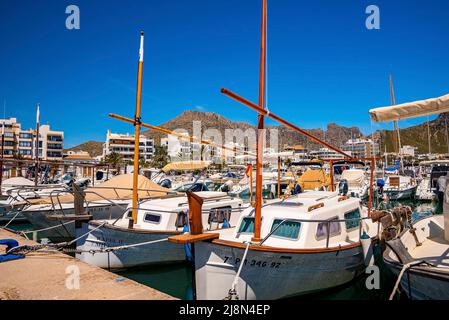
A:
192	187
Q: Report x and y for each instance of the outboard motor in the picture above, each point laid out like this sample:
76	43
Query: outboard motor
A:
380	186
182	219
99	175
343	187
296	189
224	188
166	183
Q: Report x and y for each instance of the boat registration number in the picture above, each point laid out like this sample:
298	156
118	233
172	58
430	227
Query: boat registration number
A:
252	262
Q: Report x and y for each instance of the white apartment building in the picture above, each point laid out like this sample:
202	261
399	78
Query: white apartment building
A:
23	142
51	143
185	150
324	154
408	151
361	148
123	144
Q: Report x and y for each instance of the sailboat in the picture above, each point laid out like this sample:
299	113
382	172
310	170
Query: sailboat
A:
399	186
354	178
431	171
153	220
419	256
109	200
301	244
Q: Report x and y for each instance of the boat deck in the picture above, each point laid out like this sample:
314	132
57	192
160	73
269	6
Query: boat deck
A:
43	276
434	250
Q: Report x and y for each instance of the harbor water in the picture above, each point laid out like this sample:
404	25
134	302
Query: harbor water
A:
176	279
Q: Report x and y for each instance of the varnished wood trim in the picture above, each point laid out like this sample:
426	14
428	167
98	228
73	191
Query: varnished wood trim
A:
136	230
189	238
240	245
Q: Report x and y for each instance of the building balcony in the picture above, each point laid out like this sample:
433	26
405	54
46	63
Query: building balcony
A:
55	139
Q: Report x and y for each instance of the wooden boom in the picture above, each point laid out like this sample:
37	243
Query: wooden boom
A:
264	112
178	135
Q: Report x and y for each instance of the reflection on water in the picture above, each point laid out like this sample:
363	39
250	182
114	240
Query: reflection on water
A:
176	279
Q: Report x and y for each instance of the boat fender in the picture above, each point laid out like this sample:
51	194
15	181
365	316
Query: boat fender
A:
187	246
10	243
343	187
380	185
367	249
225	224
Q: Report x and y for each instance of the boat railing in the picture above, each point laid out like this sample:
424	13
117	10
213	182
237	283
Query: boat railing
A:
57	193
327	225
226	210
31	189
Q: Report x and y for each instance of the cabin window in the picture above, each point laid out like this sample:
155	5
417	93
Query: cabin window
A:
330	226
352	219
247	225
288	229
218	215
152	218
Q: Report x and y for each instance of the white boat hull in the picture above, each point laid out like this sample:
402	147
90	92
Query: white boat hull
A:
401	194
39	219
109	236
422	284
424	191
271	275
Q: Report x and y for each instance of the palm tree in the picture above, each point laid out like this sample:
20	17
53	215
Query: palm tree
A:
114	159
19	163
160	158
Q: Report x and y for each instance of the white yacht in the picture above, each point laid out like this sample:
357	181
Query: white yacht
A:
18	190
399	187
105	201
356	181
311	242
156	220
423	254
431	171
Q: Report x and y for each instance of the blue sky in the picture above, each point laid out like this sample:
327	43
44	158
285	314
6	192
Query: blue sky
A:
323	64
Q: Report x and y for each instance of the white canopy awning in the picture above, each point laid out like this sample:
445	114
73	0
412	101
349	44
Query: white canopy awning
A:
411	109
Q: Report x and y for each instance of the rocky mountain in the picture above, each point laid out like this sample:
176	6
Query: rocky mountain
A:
417	136
335	134
95	148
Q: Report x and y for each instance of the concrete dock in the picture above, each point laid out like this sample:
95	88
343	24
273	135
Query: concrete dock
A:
50	276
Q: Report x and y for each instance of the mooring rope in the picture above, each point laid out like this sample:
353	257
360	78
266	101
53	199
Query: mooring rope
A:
110	249
61	246
49	228
87	233
11	220
405	267
233	291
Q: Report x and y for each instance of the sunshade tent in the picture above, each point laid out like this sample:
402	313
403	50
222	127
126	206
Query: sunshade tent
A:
17	181
117	188
411	109
313	179
186	165
355	177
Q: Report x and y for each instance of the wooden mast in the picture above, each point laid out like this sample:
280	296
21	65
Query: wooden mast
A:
395	122
178	135
2	151
428	135
137	122
279	177
260	126
286	123
36	167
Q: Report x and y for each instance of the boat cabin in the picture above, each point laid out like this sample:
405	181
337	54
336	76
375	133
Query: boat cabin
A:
313	219
171	214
